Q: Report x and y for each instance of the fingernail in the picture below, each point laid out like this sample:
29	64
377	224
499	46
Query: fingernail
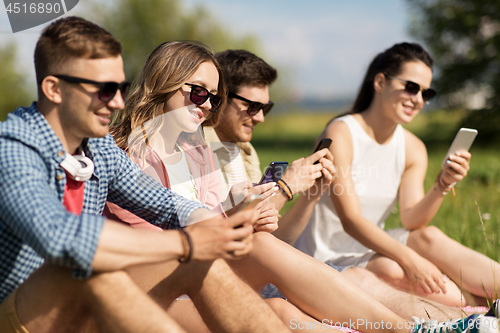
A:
448	161
457	153
276	188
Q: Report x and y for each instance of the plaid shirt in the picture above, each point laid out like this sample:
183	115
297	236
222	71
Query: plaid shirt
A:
34	225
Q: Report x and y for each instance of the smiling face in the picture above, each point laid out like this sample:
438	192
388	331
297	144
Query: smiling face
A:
400	106
81	114
183	113
235	125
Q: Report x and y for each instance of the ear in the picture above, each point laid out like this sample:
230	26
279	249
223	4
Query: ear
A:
51	90
378	82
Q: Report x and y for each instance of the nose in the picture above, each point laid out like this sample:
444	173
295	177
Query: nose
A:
117	102
259	117
417	98
206	106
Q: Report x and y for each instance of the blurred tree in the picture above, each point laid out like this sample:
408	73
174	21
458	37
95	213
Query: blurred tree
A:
142	25
13	86
463	37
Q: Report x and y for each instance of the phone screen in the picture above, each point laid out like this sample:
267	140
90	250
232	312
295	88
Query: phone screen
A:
274	172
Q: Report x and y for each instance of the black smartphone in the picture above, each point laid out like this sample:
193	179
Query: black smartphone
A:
324	143
273	172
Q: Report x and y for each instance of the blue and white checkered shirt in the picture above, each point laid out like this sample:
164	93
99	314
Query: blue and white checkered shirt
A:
35	226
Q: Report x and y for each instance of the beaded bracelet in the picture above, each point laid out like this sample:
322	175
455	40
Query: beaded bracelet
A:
445	189
285	188
187	246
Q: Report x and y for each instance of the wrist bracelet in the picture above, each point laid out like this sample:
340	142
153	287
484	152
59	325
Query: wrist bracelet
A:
186	245
285	188
445	189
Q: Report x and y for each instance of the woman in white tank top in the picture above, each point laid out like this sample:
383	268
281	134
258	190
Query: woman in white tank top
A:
378	164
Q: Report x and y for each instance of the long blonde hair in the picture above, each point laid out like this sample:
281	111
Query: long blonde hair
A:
168	67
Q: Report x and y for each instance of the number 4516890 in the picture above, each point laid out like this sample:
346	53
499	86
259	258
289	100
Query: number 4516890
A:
33	8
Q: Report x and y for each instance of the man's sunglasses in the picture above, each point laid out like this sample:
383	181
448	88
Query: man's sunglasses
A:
107	90
254	107
199	95
413	88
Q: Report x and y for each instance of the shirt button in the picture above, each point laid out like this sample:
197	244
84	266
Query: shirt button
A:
59	177
60	153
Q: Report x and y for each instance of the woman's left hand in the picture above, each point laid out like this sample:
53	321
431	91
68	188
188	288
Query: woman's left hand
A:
456	167
268	218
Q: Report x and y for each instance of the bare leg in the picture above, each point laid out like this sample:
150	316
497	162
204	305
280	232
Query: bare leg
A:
466	267
314	287
402	303
50	300
392	273
295	319
225	303
185	313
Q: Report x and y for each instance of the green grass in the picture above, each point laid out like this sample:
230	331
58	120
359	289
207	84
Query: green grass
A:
289	137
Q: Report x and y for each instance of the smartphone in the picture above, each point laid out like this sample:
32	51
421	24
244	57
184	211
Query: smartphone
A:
324	143
462	142
273	172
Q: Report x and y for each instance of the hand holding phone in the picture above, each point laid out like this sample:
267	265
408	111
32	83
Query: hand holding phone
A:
462	142
324	143
250	203
273	172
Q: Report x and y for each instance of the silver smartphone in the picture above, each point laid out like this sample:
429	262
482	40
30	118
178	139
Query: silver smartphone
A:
462	142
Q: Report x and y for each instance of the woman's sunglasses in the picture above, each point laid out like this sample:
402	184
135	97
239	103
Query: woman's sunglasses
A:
413	88
254	107
107	90
199	95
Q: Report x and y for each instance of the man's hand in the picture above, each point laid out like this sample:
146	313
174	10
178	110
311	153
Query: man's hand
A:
302	174
324	182
219	237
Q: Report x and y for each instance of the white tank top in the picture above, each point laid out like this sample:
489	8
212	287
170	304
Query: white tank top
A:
376	173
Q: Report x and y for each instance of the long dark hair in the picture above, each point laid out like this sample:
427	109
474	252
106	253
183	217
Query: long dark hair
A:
388	62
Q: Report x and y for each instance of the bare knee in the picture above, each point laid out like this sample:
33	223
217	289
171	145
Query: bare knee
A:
361	276
103	284
426	237
389	271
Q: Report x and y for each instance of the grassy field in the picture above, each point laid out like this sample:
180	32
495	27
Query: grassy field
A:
472	217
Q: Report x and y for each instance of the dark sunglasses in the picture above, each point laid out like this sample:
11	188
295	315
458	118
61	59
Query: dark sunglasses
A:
199	95
254	107
107	90
413	88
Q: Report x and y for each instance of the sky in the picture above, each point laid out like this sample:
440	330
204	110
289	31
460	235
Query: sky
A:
321	47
